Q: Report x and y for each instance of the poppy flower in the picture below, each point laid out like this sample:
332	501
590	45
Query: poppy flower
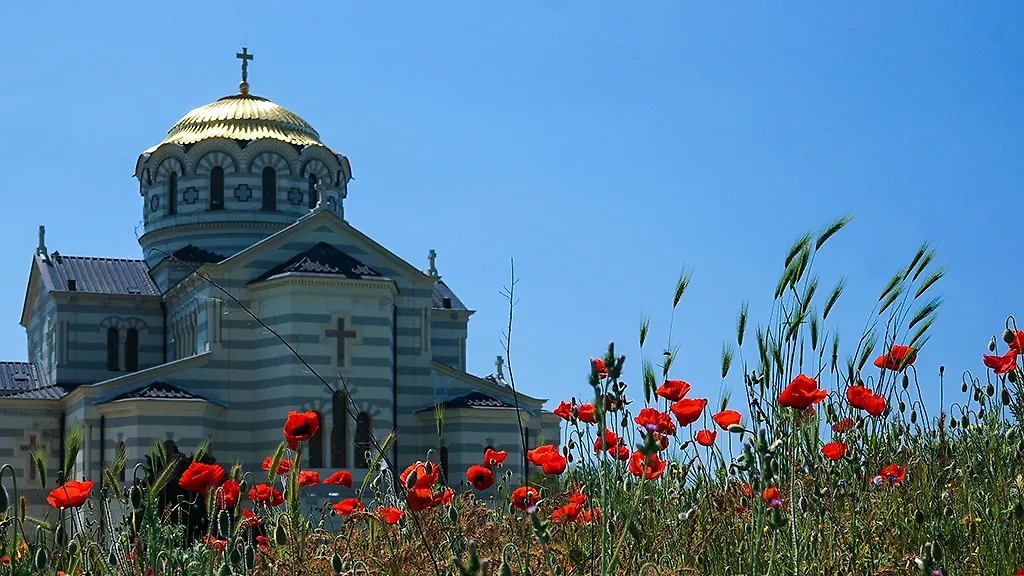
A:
706	437
199	477
548	458
425	474
1002	364
612	404
299	427
898	358
688	410
726	418
420	499
844	425
480	477
494	457
446	496
893	473
348	506
308	478
589	517
70	495
864	399
662	440
585	414
673	390
1018	341
267	494
227	495
217	545
620	452
524	498
5	560
649	467
655	420
801	393
390	516
250	517
341	478
283	467
568	513
771	496
833	450
611	439
564	411
599	367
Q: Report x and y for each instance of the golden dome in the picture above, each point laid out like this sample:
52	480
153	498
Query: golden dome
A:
241	117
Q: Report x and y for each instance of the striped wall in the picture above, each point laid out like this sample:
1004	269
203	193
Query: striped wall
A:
448	333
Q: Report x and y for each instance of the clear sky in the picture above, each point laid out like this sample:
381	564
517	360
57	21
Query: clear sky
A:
603	145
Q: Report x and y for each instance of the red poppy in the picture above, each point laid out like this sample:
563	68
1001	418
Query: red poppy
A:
1002	364
801	393
250	517
864	399
1018	572
599	367
308	478
620	452
494	457
564	410
611	404
655	421
390	516
283	467
844	425
341	478
898	358
548	458
588	517
420	499
5	559
726	418
227	495
217	545
480	477
299	427
446	496
662	440
1018	341
893	473
688	410
70	495
348	506
568	513
650	467
525	497
673	390
770	494
833	450
425	473
706	437
611	439
585	414
267	494
199	477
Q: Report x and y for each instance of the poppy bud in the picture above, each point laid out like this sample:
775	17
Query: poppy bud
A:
1008	336
1018	510
336	563
937	552
112	557
919	517
965	421
913	416
990	390
906	381
235	557
1006	397
224	523
963	387
504	569
225	570
280	536
903	407
42	559
135	495
249	557
736	429
992	344
453	514
4	499
952	424
981	413
1012	376
243	486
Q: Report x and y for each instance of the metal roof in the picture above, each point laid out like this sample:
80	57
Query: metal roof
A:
442	291
323	259
156	391
17	377
474	399
45	393
96	275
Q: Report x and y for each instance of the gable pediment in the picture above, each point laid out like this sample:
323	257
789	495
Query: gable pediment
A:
322	260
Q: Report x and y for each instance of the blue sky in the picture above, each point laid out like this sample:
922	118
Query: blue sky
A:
603	145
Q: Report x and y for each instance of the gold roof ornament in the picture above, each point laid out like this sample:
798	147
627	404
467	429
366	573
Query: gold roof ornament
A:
241	116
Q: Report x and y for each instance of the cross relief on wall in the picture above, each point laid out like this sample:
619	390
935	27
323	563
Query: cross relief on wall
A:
342	335
243	193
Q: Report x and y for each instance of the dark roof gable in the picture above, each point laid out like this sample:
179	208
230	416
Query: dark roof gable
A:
442	293
474	399
96	275
323	259
190	253
158	390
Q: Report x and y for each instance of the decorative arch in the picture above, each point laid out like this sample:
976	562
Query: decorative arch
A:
168	165
285	152
317	168
215	152
273	160
167	150
213	160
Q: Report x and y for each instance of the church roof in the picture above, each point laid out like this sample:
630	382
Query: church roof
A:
444	299
158	390
242	117
45	393
96	275
17	377
322	260
474	399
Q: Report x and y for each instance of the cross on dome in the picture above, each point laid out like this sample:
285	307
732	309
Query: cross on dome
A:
245	57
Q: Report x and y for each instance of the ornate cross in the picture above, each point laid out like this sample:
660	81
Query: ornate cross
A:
498	365
244	56
30	447
432	256
341	334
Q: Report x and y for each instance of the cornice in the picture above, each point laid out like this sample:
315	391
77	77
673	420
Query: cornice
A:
297	279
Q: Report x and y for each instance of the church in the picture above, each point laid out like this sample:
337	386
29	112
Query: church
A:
243	197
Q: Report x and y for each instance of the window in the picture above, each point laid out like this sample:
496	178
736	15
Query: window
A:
172	193
131	350
362	440
217	188
269	189
316	445
444	462
526	463
339	435
314	195
113	350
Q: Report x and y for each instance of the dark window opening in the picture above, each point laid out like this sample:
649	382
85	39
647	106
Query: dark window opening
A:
172	193
119	449
113	349
362	440
314	195
131	350
444	462
217	188
316	446
339	440
269	189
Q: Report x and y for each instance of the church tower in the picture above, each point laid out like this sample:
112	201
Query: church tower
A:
231	173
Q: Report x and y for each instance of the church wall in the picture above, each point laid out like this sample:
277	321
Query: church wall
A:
85	323
448	334
19	421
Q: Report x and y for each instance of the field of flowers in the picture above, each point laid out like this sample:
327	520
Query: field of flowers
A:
828	464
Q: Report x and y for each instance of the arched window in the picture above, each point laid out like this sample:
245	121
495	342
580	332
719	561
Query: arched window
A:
339	435
172	193
119	449
269	189
526	463
444	462
314	195
131	350
362	440
217	188
113	349
316	445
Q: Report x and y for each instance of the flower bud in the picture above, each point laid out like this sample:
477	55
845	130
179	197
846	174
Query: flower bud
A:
1012	376
992	344
1018	510
736	429
919	517
963	387
42	559
903	407
1008	336
336	563
990	390
280	536
965	421
913	416
1006	397
906	381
